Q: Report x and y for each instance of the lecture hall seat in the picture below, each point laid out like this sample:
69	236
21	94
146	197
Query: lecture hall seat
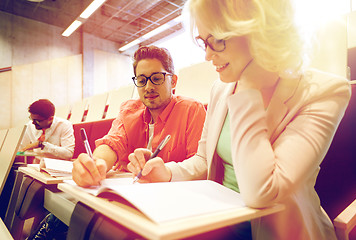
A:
116	98
336	182
78	111
96	107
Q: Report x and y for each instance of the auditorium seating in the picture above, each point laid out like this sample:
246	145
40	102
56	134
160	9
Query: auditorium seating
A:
94	131
96	107
336	182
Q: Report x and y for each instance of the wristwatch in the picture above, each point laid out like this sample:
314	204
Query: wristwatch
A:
41	145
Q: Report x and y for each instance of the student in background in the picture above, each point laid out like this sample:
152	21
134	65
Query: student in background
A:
270	120
53	137
145	122
47	135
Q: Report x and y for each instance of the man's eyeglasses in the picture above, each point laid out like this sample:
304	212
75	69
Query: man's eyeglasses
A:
156	78
217	45
36	120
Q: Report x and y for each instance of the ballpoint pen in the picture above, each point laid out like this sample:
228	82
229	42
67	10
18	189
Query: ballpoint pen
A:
159	148
83	134
86	143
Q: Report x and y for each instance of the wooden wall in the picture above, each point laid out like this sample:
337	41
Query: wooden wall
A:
59	80
47	65
111	71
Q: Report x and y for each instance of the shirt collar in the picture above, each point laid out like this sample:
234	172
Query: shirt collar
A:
164	115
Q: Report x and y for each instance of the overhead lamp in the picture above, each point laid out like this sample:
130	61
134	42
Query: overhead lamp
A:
130	44
71	28
84	15
156	31
152	33
91	8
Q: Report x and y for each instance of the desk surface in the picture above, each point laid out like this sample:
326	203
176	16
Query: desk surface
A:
41	176
137	222
4	232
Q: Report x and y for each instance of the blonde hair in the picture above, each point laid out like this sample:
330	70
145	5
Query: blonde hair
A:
274	39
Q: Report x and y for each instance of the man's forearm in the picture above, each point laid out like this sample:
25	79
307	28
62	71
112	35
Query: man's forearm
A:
106	153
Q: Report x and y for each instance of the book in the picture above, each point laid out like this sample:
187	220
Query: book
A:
57	167
63	169
167	201
54	167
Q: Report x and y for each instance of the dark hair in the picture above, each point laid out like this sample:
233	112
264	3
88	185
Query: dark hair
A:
153	52
42	107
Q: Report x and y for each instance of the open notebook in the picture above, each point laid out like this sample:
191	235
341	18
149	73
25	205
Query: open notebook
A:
168	201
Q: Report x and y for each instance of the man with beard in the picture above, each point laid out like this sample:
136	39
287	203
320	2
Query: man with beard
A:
47	135
145	122
142	123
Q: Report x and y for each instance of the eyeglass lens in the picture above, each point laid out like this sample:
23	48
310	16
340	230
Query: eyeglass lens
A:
156	78
36	120
217	45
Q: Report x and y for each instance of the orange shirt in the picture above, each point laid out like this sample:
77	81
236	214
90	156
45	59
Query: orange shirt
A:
183	119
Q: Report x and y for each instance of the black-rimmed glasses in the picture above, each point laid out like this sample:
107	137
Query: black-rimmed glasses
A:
157	78
217	45
36	120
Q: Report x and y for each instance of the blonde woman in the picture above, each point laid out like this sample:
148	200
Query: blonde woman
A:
270	121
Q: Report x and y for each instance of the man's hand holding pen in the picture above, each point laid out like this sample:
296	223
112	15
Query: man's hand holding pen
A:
152	169
88	171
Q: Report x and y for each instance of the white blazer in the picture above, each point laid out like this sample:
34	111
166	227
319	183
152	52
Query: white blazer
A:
276	151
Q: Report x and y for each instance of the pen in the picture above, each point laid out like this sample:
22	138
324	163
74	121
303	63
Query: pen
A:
159	148
86	143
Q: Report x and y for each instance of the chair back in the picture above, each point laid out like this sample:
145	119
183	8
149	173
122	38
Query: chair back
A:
63	112
116	98
336	182
96	107
78	110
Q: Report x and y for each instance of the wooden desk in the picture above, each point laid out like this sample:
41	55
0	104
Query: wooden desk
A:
4	232
60	204
139	223
133	219
25	155
41	176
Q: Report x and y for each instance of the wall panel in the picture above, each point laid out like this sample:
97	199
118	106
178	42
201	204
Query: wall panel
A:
41	83
111	71
5	99
22	94
59	81
74	78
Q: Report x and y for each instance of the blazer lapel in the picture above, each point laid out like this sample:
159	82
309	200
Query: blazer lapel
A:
278	108
216	123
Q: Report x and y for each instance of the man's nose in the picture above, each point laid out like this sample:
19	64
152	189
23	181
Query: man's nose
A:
149	85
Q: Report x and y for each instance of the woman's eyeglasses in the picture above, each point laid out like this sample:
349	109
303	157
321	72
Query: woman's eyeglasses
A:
217	45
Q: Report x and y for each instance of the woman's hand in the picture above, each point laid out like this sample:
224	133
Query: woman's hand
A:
153	170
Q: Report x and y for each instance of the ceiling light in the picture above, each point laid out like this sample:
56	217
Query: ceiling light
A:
130	44
156	31
91	8
71	28
85	14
